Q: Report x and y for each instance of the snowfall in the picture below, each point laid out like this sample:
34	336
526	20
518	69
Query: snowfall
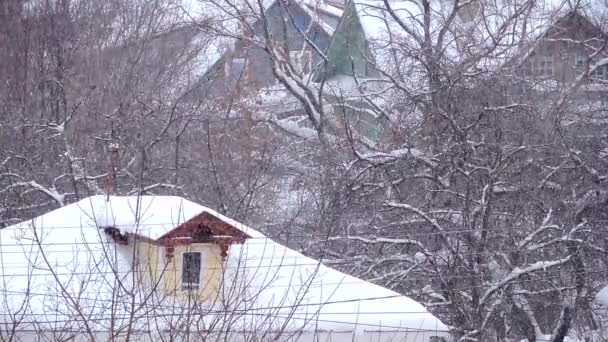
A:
68	272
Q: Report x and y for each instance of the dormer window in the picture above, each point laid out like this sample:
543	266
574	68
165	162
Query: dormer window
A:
191	271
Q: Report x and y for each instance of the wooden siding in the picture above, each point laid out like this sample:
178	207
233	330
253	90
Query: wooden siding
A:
158	270
559	44
211	271
349	41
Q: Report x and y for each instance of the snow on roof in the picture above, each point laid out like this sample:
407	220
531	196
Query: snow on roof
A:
376	21
315	9
152	216
211	53
223	23
64	253
325	8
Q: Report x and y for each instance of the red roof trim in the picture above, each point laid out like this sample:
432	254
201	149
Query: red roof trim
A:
208	224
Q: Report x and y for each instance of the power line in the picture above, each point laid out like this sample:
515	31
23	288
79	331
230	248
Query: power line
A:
142	227
290	317
306	284
114	300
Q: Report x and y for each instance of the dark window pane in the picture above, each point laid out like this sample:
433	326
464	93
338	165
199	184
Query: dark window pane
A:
191	270
300	21
600	72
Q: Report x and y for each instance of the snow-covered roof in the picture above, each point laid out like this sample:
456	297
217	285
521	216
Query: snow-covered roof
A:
316	9
64	254
222	20
325	8
376	20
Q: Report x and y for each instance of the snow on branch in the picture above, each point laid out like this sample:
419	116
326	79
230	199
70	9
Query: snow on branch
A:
386	157
379	240
519	271
543	227
418	212
155	186
50	192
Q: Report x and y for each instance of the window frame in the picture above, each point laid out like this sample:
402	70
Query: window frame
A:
580	59
600	73
543	62
187	283
299	20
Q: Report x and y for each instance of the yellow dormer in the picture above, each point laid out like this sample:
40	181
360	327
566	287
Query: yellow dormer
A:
188	261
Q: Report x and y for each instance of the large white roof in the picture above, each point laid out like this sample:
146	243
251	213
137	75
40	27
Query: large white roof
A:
63	254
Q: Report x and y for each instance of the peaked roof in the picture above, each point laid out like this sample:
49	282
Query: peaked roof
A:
394	31
223	21
379	20
64	254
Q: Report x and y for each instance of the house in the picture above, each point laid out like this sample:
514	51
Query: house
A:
567	55
376	44
378	41
303	27
572	43
164	267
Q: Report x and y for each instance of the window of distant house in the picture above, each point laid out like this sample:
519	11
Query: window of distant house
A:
237	68
580	60
315	36
604	103
300	21
301	60
600	73
191	270
545	65
364	123
528	67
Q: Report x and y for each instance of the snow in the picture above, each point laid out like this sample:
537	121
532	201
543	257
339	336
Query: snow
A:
547	338
315	8
325	8
67	247
213	48
221	19
602	296
376	20
151	216
342	86
420	257
407	33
